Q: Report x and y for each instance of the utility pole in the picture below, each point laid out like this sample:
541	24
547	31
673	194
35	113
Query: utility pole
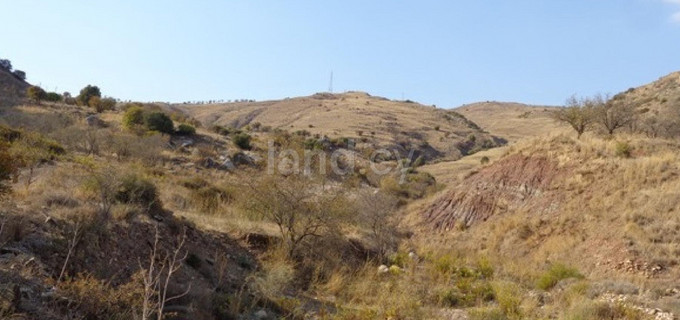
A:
330	86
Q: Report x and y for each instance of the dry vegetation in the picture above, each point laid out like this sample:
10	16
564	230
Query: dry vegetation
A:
112	219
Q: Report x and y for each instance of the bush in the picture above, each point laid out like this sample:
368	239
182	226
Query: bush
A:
36	93
555	274
133	117
136	190
53	97
242	140
158	121
186	130
623	149
7	167
484	160
103	104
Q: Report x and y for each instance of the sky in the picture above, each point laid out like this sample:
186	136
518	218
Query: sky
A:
446	53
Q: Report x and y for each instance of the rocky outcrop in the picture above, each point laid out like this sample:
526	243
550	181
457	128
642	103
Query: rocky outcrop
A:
506	184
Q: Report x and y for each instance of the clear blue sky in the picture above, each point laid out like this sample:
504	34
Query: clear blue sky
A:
436	52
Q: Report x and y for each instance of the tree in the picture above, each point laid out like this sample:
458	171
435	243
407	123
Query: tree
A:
36	94
159	121
20	75
300	210
613	114
6	65
87	93
578	113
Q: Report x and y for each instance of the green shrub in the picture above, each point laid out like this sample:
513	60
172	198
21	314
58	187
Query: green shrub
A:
555	274
133	117
136	190
484	160
159	121
242	140
186	130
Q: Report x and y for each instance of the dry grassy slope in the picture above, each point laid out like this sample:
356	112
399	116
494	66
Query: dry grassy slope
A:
348	115
558	199
659	96
512	121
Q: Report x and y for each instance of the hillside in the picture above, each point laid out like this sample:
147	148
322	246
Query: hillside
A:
558	200
658	104
439	134
512	121
11	88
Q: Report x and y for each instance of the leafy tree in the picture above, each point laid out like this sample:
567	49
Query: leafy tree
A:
578	113
20	75
159	121
5	64
87	93
36	93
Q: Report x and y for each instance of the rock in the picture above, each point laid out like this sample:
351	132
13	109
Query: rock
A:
261	314
413	255
94	121
227	164
383	269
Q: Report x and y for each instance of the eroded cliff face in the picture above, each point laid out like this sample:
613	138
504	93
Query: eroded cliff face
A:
514	182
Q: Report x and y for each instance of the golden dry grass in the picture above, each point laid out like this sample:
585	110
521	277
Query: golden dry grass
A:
512	121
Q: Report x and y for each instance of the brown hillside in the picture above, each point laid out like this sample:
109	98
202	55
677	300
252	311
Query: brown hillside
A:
512	121
441	134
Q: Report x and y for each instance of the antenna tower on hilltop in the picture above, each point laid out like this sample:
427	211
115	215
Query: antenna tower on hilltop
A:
330	86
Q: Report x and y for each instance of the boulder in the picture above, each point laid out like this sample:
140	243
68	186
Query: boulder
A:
94	121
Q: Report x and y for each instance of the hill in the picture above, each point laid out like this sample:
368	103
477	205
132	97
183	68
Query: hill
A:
512	121
11	88
438	134
658	104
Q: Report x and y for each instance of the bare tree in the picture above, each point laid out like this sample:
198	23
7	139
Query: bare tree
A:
376	212
77	227
299	209
612	114
578	113
156	276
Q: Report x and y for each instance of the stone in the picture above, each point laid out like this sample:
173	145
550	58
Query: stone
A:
261	314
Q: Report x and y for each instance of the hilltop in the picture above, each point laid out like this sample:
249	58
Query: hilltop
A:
439	134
